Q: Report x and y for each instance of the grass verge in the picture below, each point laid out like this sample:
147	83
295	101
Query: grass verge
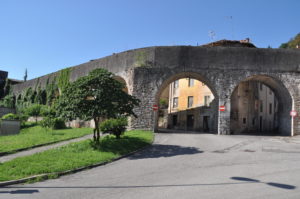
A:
36	135
74	155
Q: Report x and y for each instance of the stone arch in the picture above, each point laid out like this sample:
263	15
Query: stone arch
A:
123	81
283	95
164	83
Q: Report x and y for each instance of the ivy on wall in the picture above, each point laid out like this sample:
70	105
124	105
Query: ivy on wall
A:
37	95
63	79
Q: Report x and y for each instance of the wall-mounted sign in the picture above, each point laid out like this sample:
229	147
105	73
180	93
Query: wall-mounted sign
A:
155	107
293	113
222	108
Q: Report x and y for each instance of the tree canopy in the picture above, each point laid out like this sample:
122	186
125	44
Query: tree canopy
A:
96	96
292	43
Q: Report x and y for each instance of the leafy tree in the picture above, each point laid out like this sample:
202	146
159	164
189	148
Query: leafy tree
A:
8	101
96	96
292	43
35	110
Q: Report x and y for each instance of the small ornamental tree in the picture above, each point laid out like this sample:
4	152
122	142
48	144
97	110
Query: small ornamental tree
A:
34	111
96	96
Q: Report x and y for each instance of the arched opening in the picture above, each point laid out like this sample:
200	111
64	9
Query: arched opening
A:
261	105
122	80
186	102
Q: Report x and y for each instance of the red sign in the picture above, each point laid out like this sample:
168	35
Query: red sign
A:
222	108
293	113
155	107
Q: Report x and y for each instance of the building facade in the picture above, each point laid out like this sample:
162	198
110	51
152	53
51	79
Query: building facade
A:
254	109
188	106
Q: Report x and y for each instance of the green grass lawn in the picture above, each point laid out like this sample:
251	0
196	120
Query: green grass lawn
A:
74	155
36	135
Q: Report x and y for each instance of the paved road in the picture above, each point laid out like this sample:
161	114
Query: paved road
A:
186	166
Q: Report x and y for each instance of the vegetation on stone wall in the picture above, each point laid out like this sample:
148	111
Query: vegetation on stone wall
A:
63	79
140	59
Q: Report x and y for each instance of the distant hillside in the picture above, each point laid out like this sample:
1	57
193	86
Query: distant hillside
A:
292	43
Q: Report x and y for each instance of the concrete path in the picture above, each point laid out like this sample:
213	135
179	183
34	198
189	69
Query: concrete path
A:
43	148
185	166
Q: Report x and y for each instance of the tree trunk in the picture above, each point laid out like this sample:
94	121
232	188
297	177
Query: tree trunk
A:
96	130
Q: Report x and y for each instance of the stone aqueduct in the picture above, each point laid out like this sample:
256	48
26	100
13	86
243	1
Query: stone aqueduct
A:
147	71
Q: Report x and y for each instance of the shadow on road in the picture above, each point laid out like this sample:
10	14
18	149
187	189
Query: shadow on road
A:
274	184
21	191
34	189
158	150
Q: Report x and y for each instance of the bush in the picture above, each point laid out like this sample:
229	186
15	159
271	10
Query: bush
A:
34	110
53	123
114	126
47	111
10	116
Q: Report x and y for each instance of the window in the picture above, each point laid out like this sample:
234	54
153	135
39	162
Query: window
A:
244	120
206	100
176	84
270	108
175	102
191	82
190	101
261	106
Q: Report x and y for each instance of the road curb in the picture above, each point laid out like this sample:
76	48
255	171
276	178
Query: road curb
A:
46	176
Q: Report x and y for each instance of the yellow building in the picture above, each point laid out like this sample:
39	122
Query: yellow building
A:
188	93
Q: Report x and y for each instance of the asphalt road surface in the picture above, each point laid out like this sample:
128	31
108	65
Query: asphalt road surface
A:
185	166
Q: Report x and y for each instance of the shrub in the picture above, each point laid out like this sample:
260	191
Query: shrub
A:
10	116
53	123
34	110
114	126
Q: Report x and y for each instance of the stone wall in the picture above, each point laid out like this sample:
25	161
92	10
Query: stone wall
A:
4	111
148	71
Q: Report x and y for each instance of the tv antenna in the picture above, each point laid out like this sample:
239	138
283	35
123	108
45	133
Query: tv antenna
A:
212	35
230	18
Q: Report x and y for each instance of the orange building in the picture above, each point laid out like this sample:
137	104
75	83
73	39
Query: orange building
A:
187	93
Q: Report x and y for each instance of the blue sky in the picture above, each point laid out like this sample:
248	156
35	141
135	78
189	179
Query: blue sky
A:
48	35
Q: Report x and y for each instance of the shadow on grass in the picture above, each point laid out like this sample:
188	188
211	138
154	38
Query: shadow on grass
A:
126	145
119	146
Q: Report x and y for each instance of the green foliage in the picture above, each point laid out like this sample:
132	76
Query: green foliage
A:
34	110
10	116
163	103
114	126
292	43
74	155
140	58
8	101
63	79
96	96
53	123
48	111
51	92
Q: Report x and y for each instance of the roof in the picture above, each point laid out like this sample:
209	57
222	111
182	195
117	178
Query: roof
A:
231	43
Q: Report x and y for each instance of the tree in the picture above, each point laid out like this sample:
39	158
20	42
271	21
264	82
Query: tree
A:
96	96
35	110
25	75
292	43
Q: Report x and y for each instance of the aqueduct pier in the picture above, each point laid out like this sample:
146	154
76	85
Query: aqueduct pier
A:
147	71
